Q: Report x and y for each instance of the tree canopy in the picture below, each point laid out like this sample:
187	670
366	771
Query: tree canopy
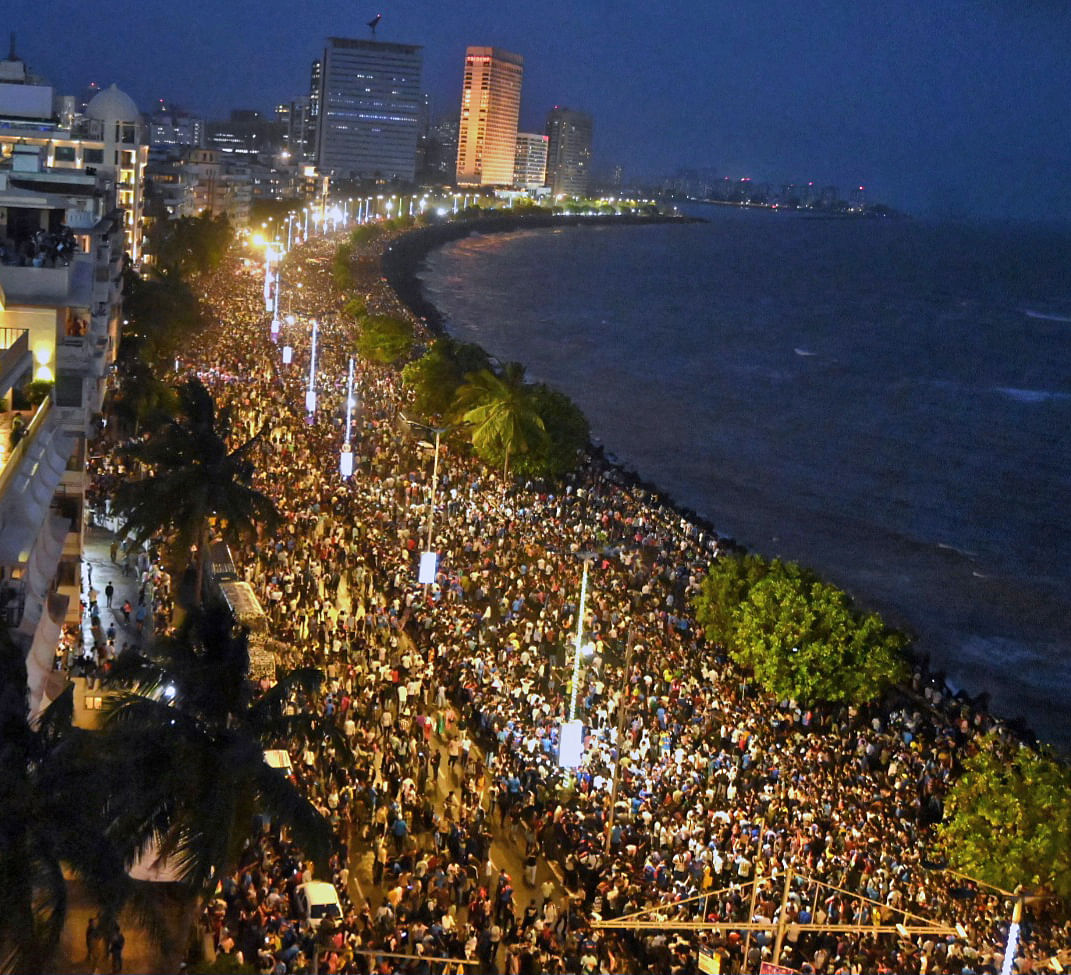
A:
801	637
437	375
194	475
48	822
385	339
1008	819
501	414
162	311
567	435
191	244
185	747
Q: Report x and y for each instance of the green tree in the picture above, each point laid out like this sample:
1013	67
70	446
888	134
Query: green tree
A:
501	414
140	397
801	637
184	742
340	266
194	476
385	339
191	245
436	376
356	308
366	233
567	435
1008	819
48	822
726	585
162	311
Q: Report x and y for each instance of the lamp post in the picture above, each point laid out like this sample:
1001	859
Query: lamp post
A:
1013	938
587	557
429	555
345	460
621	708
310	395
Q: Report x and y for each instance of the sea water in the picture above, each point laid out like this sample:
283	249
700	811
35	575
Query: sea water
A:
888	401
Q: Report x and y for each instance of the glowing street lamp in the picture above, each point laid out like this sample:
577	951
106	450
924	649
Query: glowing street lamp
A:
345	460
428	558
581	648
310	394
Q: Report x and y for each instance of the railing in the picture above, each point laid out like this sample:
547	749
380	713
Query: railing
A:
15	455
14	345
10	336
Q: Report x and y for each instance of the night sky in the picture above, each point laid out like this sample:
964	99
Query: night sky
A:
937	106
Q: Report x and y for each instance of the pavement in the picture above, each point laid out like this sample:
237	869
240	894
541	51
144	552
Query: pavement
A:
140	955
98	570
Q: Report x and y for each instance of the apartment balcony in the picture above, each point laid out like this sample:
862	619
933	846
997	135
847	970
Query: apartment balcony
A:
15	357
70	284
31	468
86	354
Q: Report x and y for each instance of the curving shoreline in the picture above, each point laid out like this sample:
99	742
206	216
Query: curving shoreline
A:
401	259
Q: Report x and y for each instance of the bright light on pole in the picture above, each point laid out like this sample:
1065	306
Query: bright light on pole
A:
579	638
1013	938
345	460
310	395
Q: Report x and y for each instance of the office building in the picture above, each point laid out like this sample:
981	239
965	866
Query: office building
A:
369	110
569	152
530	168
490	108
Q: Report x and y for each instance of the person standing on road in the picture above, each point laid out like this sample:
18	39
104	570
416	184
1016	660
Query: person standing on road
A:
115	948
109	591
94	937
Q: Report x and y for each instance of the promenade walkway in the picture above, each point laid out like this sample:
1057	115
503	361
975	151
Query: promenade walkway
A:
99	570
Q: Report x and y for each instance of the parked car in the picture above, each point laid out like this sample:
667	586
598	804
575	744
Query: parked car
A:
315	901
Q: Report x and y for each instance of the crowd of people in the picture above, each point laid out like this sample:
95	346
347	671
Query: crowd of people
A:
730	807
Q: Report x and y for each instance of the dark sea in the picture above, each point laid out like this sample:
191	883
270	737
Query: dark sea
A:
888	402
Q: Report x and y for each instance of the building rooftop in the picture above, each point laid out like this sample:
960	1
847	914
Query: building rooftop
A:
113	105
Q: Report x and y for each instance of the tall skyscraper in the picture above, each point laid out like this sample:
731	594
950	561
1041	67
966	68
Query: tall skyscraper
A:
490	108
530	168
569	152
370	109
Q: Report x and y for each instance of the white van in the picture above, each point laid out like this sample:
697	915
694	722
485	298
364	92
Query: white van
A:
315	901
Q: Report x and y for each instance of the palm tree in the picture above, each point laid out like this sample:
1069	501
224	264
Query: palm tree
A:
141	397
51	820
186	741
194	476
501	412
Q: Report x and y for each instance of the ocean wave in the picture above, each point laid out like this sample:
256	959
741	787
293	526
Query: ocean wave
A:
1031	395
1030	313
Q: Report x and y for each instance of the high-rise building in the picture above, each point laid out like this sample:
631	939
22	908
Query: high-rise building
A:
369	109
313	108
569	152
490	108
530	168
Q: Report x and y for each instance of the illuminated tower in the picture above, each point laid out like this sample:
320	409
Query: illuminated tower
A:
369	109
569	152
490	107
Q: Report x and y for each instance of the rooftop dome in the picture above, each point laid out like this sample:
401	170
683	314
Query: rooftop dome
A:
113	105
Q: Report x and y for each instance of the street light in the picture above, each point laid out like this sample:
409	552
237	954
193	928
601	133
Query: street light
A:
345	460
310	395
427	559
580	647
